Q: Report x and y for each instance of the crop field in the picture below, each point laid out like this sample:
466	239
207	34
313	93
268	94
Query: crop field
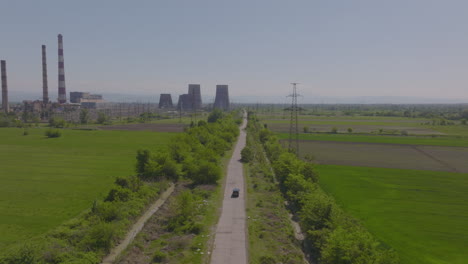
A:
46	181
448	141
155	127
421	214
365	124
436	158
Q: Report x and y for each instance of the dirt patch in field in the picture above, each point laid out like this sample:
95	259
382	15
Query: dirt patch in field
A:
147	127
284	128
452	159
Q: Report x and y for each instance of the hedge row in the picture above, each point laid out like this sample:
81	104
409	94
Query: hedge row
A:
332	236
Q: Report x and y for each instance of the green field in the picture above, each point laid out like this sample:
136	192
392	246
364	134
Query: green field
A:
448	141
44	182
421	214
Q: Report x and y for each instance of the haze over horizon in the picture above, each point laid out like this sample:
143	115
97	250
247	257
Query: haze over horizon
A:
334	49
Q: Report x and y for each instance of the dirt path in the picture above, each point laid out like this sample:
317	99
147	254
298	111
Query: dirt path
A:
136	228
230	244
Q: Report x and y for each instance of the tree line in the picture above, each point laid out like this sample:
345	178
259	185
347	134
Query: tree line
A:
332	236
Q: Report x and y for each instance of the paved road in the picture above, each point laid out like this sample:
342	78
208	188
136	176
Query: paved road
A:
230	245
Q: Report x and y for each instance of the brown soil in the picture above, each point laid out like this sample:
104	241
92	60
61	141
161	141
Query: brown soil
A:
147	127
284	128
452	159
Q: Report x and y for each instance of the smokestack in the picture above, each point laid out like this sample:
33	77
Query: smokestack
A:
222	97
45	87
5	105
62	94
195	96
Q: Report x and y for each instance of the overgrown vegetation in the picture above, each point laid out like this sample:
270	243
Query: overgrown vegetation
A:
271	236
332	236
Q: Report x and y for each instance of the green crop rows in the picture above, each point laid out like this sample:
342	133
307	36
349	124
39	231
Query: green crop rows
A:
421	214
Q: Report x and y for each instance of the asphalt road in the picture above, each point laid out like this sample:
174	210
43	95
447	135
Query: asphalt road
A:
230	244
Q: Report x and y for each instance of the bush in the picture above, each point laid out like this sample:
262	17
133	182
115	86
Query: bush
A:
246	155
207	173
404	133
159	257
334	130
53	133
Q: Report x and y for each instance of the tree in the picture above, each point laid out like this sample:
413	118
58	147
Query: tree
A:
334	130
207	173
102	118
215	115
246	155
350	130
306	129
84	116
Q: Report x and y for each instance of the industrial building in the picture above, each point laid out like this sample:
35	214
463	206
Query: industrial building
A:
222	97
165	101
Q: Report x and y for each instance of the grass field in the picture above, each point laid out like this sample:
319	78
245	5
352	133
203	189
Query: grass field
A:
421	214
449	141
44	182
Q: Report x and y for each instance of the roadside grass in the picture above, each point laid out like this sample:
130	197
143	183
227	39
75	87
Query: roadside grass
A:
45	182
450	141
271	237
421	214
350	122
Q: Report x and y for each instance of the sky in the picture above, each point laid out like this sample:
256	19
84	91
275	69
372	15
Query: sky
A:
342	48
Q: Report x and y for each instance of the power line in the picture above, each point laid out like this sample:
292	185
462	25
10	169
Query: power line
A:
294	125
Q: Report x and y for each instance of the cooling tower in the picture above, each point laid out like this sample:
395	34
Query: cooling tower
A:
45	86
5	106
222	97
165	101
195	96
184	103
62	94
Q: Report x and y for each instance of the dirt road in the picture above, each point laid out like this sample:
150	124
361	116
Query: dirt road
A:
230	245
136	228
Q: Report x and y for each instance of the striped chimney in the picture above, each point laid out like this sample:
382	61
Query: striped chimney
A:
45	87
5	105
62	94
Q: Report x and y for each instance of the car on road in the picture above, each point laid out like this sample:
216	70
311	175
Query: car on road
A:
235	193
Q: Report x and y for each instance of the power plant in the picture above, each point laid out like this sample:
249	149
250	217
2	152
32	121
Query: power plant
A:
222	97
5	105
46	108
195	96
45	86
62	94
165	101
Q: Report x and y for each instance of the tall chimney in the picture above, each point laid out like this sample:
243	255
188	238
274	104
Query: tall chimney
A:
62	94
45	87
5	105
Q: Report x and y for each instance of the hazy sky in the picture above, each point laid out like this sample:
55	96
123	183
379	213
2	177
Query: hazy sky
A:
333	48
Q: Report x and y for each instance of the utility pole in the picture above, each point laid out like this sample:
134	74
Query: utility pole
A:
294	126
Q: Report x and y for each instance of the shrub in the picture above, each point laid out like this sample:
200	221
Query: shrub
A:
404	133
306	129
159	257
334	130
53	133
246	155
